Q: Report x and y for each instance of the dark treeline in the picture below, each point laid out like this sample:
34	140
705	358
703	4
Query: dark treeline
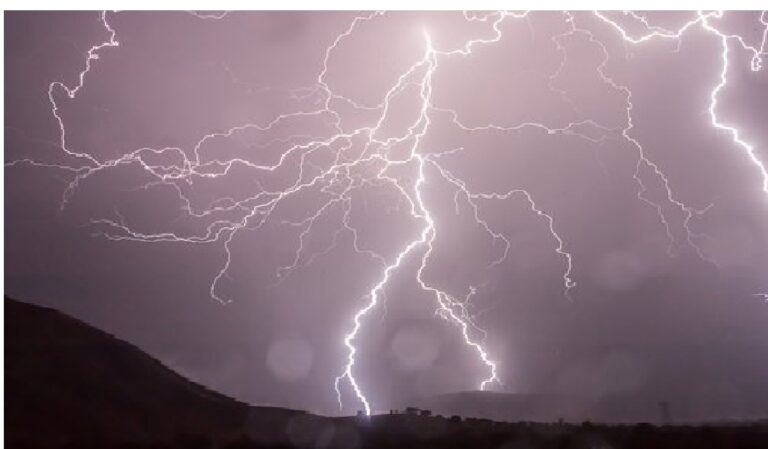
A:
430	432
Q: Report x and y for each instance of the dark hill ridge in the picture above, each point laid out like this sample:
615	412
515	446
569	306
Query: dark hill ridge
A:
67	381
68	386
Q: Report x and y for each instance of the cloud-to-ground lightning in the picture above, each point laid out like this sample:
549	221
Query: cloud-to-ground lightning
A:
363	158
756	64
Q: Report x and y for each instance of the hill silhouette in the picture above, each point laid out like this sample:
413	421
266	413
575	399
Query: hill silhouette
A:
69	385
66	381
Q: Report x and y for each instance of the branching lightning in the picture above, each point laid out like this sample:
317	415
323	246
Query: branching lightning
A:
363	158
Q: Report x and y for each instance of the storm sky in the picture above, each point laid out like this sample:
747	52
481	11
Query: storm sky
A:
231	187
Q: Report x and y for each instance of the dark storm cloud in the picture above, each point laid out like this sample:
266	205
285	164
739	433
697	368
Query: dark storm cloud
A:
640	322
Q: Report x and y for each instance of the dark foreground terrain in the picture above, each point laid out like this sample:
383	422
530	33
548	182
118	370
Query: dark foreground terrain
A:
68	385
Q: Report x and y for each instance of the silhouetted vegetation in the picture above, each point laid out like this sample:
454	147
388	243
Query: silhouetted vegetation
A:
384	432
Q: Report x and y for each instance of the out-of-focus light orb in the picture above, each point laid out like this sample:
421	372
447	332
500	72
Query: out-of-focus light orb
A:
415	348
290	359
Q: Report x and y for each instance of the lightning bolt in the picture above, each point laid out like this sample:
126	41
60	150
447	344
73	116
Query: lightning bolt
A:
447	306
756	64
643	160
341	160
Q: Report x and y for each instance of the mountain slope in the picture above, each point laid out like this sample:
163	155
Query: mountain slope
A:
65	380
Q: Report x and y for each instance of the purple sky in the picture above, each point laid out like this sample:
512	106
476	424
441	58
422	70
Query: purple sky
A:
287	163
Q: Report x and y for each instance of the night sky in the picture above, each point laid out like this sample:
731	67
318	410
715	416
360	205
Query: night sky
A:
544	194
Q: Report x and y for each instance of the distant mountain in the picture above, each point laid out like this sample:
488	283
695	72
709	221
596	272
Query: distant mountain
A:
494	405
541	408
612	408
67	381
